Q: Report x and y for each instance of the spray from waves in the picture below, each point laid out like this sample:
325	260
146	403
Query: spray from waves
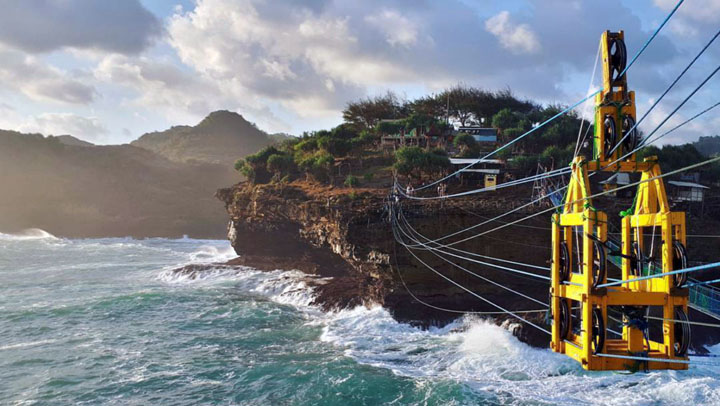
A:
475	352
292	288
29	234
211	254
488	358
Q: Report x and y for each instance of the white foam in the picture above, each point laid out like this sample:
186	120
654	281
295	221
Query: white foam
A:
29	234
286	287
25	345
211	254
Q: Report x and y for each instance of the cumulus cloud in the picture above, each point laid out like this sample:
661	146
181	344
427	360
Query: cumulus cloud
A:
87	128
518	38
41	81
42	25
398	29
163	86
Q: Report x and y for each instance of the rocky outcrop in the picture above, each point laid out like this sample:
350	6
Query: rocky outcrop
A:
347	237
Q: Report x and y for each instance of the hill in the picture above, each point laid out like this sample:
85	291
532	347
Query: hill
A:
708	146
70	140
117	190
222	137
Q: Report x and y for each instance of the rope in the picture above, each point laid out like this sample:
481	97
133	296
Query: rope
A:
702	51
476	295
443	309
675	361
697	323
711	160
660	275
528	179
657	30
632	61
476	261
582	120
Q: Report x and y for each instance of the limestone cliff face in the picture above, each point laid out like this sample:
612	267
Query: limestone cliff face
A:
288	222
326	232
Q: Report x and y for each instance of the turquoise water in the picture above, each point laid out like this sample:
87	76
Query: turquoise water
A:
105	322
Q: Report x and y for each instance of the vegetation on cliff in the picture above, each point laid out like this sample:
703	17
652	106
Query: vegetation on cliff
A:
356	147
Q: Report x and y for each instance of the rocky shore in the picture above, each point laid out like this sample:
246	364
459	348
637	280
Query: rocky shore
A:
346	239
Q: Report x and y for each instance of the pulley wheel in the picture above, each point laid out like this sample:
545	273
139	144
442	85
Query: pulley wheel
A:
680	261
682	332
598	331
564	319
599	265
630	142
618	58
564	262
610	135
636	263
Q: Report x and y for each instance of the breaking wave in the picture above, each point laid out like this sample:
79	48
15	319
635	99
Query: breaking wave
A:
29	234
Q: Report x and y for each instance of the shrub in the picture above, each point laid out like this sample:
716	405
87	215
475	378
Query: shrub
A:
351	181
280	164
416	161
336	146
368	177
467	145
307	145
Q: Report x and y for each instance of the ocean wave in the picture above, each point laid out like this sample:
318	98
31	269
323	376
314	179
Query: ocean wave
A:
211	254
29	234
285	287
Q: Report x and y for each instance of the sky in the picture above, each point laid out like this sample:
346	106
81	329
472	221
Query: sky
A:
109	71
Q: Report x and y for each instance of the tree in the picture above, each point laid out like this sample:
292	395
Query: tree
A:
467	145
462	101
432	106
280	165
414	161
366	113
505	118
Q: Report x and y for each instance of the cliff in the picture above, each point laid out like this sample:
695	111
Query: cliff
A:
328	232
347	239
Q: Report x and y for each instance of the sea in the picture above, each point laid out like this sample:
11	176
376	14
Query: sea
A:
107	322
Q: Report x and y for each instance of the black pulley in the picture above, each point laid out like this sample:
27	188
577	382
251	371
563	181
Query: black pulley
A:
630	141
598	331
680	261
637	261
563	318
618	57
564	262
610	135
599	264
682	332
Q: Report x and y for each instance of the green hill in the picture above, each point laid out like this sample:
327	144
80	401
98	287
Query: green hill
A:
117	190
222	137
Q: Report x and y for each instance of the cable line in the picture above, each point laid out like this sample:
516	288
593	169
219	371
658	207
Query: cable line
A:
476	295
632	61
417	299
630	131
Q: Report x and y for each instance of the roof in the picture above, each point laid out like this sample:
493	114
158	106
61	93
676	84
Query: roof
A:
485	138
687	184
468	161
478	131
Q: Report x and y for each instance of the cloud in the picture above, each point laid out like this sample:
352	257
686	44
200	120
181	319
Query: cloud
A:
398	29
518	38
41	81
87	128
179	94
46	25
